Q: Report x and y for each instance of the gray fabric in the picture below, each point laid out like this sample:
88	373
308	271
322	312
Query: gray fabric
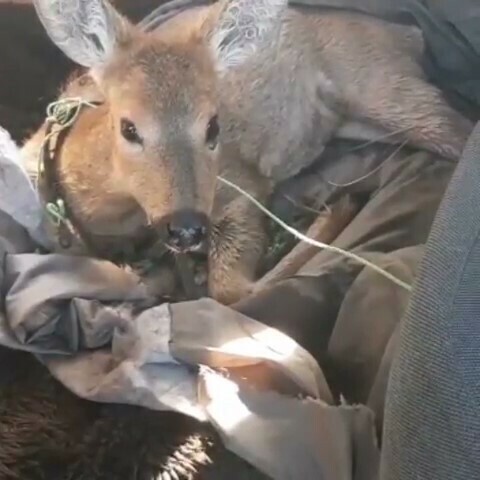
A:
26	208
432	421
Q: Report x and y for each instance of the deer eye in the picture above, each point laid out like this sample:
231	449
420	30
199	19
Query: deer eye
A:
129	131
213	131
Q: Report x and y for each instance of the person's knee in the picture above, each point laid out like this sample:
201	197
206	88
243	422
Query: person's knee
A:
369	314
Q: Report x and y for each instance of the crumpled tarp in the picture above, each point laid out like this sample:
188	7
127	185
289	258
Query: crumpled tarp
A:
89	322
18	197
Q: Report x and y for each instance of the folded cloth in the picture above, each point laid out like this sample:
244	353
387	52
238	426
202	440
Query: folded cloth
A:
87	321
53	308
18	198
276	433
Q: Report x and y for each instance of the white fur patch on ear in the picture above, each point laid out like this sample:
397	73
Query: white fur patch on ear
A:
85	30
241	28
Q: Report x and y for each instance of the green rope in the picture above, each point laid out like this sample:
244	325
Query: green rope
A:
57	212
63	112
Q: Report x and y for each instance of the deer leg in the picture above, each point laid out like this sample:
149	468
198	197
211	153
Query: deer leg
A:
160	280
324	229
419	111
239	239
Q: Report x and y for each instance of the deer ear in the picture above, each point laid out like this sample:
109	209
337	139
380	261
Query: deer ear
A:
87	31
240	28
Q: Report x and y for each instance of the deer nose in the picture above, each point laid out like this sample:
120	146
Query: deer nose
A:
187	230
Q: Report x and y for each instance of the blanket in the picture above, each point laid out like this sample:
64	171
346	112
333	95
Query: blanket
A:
91	324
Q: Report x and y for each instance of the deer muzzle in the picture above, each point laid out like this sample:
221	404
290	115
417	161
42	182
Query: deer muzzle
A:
187	231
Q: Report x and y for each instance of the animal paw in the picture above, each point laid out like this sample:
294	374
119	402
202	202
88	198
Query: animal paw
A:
232	289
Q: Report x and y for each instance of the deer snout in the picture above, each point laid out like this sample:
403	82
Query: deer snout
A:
187	230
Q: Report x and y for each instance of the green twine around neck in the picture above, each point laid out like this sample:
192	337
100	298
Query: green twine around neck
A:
62	113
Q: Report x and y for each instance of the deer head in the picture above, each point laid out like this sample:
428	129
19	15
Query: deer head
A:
161	93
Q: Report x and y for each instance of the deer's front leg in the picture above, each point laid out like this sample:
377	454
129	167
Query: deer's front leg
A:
239	240
324	229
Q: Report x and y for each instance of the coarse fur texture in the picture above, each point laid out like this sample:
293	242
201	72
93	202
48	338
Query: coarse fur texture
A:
48	433
238	233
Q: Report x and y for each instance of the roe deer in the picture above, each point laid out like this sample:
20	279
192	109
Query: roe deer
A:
248	88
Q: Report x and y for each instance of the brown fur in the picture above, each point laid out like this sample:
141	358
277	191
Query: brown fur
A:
99	200
46	432
331	73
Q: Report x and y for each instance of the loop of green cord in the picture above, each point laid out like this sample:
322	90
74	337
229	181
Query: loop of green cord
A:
57	212
63	112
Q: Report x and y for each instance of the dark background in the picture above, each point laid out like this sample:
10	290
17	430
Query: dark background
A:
31	67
